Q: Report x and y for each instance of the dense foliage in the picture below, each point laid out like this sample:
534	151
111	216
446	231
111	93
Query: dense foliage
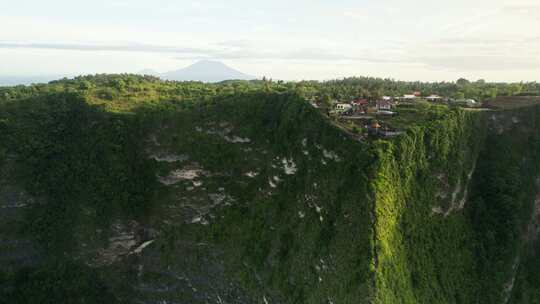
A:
390	221
125	91
422	256
63	282
75	156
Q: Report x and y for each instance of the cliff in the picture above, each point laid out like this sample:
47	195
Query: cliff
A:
258	198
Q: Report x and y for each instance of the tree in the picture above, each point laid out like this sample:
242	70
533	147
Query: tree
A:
462	82
327	101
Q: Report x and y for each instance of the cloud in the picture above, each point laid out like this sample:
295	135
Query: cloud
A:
454	54
480	63
234	49
298	55
357	14
134	47
531	11
240	43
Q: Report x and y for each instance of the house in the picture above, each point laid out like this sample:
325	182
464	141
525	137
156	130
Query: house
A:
360	102
409	97
343	107
360	105
387	98
434	98
417	94
384	105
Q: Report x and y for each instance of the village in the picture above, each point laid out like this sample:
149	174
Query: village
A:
384	117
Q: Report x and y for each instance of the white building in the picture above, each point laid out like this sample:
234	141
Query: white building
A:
434	97
343	107
409	97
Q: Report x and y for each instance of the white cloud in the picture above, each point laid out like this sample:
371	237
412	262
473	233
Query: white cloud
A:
284	39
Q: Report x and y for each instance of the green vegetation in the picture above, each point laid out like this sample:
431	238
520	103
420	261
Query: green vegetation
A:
75	156
297	210
423	256
63	282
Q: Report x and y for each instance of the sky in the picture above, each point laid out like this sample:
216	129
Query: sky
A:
495	40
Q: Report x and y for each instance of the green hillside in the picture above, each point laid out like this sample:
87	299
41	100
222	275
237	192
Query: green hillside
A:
126	189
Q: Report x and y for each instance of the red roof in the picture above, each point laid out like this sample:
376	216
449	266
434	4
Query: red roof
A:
417	93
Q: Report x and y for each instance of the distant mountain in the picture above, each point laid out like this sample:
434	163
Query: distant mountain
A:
206	71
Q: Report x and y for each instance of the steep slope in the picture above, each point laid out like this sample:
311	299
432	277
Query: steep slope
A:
454	210
236	188
423	242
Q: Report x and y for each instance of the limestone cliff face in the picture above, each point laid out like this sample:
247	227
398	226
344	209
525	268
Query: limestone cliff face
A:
259	199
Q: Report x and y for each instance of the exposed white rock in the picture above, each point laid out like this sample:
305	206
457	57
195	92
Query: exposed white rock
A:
437	210
236	139
120	244
197	183
509	285
224	132
289	166
199	220
15	205
456	204
178	175
217	198
142	246
169	158
251	174
331	155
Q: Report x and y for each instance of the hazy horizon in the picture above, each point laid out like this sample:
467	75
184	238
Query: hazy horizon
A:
312	40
